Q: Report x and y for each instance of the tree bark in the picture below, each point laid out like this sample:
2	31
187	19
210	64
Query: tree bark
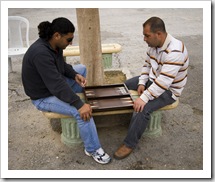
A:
90	44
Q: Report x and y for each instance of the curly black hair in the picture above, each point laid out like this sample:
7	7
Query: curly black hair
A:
61	25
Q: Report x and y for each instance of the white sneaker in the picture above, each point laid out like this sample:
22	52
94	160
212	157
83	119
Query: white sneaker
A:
100	156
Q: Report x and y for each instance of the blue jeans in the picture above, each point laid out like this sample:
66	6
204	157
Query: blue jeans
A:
140	120
87	129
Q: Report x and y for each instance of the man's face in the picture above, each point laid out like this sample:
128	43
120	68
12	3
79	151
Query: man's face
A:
152	39
65	40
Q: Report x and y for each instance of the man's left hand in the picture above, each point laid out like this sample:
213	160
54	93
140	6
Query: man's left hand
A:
139	105
81	80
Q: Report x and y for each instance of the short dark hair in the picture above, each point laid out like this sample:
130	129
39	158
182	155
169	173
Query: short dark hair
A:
156	24
61	25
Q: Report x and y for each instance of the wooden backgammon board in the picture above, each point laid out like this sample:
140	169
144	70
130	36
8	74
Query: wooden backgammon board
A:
108	97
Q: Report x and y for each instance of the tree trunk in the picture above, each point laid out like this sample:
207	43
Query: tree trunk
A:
90	44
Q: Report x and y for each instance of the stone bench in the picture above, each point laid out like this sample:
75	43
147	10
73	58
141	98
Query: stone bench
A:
70	132
107	52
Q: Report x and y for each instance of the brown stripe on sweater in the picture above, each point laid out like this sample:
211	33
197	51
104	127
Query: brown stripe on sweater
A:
177	87
145	73
183	69
148	62
154	59
153	72
168	75
151	93
151	57
177	81
175	51
177	95
182	47
174	63
185	59
161	86
166	51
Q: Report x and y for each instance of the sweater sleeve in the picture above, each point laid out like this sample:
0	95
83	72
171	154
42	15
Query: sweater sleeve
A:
54	81
172	64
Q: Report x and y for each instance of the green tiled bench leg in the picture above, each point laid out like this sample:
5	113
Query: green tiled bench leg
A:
154	127
70	132
107	60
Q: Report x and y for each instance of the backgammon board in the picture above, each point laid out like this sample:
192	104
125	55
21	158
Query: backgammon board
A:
108	97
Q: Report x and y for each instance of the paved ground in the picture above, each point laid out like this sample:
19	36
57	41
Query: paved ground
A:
33	145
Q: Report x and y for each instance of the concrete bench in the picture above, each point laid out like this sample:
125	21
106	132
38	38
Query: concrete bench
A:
107	52
70	132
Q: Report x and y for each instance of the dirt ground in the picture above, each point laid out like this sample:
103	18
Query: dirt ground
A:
33	145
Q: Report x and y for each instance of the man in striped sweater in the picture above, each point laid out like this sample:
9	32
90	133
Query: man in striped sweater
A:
163	77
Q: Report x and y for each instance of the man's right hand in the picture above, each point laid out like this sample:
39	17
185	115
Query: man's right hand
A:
85	112
140	89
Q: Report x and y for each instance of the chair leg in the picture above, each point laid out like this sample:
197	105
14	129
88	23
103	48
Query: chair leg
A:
10	65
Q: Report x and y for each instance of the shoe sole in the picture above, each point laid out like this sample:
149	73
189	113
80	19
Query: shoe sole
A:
88	154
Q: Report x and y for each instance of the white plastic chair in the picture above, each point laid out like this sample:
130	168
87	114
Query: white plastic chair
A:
18	37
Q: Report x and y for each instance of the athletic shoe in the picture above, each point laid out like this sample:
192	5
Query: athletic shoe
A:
99	156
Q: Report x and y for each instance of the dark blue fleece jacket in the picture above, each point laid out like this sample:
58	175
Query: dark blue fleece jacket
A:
44	71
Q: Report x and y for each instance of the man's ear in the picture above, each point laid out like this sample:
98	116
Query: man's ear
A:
159	33
57	35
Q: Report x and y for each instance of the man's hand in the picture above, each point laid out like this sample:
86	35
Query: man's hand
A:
138	105
85	112
140	89
81	80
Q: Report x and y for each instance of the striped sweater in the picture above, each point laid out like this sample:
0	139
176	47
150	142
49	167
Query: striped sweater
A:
167	68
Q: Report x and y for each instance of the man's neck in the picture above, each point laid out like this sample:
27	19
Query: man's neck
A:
163	38
53	45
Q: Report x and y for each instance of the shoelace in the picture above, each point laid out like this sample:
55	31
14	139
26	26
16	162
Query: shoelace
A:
99	154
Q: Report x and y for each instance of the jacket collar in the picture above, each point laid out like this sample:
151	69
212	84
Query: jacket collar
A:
49	46
166	42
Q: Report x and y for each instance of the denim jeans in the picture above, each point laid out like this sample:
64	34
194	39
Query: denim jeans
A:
140	120
87	129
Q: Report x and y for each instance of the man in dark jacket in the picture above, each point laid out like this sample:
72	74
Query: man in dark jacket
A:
52	84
